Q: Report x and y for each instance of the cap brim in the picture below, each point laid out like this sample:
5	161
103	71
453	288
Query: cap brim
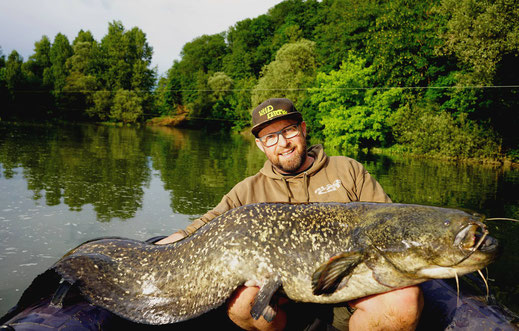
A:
258	127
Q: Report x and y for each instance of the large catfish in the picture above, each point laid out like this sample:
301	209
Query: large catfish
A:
315	252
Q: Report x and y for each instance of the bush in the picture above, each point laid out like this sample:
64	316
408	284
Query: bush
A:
431	132
354	116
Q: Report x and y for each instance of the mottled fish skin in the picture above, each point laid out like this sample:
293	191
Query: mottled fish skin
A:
394	245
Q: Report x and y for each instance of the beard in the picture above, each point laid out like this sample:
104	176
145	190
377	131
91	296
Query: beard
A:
294	163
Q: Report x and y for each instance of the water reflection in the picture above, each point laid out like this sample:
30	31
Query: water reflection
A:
199	167
108	167
485	189
102	166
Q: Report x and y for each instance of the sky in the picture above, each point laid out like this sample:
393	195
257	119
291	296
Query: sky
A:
168	24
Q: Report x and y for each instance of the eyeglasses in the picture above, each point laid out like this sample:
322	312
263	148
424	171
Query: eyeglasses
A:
288	132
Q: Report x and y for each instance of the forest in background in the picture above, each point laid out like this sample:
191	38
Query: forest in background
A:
434	77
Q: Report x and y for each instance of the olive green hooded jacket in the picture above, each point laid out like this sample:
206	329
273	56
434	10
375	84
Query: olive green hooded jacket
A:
329	179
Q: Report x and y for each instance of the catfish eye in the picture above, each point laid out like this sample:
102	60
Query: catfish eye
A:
447	222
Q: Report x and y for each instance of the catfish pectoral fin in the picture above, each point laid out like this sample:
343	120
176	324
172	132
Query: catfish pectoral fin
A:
60	294
327	278
262	302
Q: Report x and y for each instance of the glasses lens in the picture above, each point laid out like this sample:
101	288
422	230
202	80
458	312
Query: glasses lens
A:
291	131
288	132
270	140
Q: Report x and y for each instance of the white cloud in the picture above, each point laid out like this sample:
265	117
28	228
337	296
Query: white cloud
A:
168	24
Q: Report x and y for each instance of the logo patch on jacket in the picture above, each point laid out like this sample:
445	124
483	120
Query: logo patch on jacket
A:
329	188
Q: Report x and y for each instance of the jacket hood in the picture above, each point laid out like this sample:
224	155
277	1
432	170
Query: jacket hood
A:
320	159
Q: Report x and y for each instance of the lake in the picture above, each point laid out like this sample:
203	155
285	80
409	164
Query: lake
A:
63	185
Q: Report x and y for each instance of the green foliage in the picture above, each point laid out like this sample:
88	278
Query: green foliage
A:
480	34
39	61
59	53
2	58
127	107
221	84
125	57
347	26
13	73
484	37
102	102
427	131
240	102
352	114
3	85
204	53
289	74
164	104
249	47
439	52
402	42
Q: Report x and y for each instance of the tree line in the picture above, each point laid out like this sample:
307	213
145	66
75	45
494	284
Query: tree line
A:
110	80
435	77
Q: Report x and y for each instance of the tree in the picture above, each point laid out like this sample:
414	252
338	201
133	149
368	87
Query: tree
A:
126	106
249	47
15	82
14	76
125	57
163	102
41	100
116	71
205	53
2	58
481	34
240	102
294	19
346	27
81	83
353	115
4	93
39	61
484	36
60	51
402	42
141	53
102	103
424	130
289	74
221	85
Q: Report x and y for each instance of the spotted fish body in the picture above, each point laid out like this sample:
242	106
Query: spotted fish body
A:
316	252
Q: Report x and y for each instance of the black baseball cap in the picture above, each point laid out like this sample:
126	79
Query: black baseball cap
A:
271	110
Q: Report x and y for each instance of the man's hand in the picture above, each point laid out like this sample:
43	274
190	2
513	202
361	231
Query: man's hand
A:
395	310
240	304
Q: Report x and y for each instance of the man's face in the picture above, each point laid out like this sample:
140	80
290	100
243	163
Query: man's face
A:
288	155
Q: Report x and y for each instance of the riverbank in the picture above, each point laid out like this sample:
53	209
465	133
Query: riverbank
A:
502	161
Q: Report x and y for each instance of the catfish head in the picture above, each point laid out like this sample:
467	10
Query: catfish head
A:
407	244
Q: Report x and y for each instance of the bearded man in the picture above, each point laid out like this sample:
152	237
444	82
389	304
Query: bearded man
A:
292	173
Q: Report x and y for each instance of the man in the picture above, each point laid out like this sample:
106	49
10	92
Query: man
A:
294	174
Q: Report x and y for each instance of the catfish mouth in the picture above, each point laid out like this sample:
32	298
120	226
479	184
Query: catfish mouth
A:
474	237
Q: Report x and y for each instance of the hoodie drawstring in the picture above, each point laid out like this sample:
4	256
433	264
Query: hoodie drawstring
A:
287	190
305	186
